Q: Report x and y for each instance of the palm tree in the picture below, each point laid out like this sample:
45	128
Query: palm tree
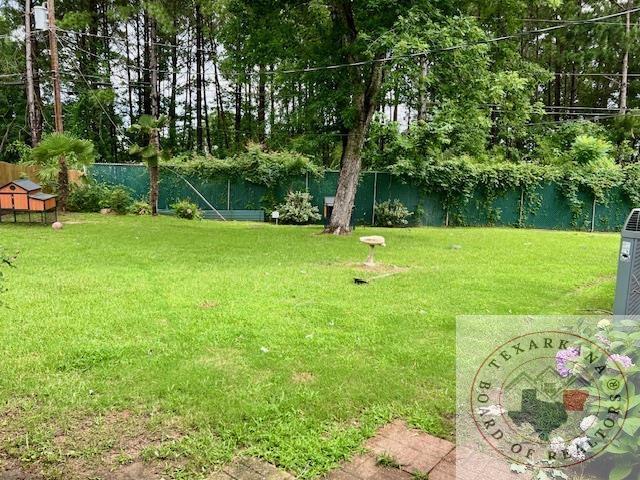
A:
52	171
150	152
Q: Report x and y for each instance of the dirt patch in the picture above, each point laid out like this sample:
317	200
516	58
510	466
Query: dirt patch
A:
303	377
108	446
378	268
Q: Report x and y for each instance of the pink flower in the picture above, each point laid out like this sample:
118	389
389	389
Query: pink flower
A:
563	357
622	360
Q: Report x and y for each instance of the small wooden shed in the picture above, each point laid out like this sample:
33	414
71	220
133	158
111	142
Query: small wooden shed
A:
25	196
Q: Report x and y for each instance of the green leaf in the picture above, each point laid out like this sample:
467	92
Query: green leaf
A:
631	426
135	149
621	471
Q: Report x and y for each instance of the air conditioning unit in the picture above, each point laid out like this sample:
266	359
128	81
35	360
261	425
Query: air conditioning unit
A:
627	300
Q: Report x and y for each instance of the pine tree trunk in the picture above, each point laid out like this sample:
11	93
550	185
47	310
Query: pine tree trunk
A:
173	141
199	137
155	111
222	121
139	67
262	104
128	72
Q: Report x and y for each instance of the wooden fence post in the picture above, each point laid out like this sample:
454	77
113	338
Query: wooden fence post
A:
375	194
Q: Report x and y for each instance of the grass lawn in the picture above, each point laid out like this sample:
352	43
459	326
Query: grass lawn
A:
185	343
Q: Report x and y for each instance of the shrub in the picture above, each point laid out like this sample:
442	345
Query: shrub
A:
87	197
140	208
119	200
187	209
392	214
587	149
297	209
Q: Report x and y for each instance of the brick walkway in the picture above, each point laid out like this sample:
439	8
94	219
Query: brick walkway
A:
417	453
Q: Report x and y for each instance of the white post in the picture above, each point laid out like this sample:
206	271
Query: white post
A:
306	181
593	215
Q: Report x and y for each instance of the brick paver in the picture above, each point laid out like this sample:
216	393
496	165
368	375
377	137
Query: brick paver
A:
419	452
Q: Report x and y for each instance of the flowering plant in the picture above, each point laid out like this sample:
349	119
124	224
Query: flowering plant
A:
620	339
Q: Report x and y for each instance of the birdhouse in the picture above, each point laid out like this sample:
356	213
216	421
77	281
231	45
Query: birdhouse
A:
26	197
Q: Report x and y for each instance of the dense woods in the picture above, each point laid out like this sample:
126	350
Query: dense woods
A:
351	84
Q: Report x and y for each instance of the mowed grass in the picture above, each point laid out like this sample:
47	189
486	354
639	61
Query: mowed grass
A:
235	337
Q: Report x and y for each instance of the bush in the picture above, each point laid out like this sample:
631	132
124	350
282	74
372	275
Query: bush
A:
140	208
187	210
298	210
392	214
87	197
119	200
587	149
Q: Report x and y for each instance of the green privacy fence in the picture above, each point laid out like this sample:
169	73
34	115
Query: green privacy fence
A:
544	208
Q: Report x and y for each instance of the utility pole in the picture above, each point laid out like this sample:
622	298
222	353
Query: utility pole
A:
63	170
624	85
34	127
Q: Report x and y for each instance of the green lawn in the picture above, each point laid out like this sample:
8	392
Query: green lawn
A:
187	342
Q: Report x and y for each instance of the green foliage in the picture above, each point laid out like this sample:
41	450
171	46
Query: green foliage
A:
87	197
255	165
140	207
297	209
119	200
92	196
386	460
617	337
187	210
145	149
78	153
587	150
392	213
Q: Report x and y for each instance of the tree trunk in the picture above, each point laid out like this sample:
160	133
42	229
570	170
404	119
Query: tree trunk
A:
155	104
128	54
148	46
35	127
238	116
199	137
188	127
222	121
262	104
366	104
139	67
173	141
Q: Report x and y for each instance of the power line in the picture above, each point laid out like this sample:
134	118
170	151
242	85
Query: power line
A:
567	23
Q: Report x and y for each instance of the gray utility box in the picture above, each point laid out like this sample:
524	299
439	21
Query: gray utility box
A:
628	282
